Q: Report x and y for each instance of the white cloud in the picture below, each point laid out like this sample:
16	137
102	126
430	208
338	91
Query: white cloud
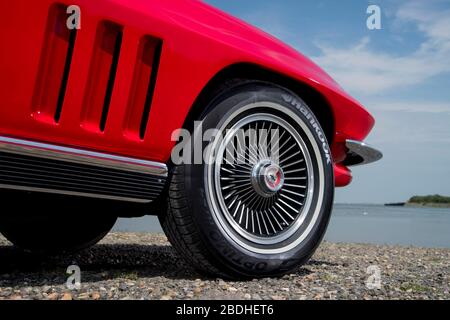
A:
411	130
362	70
411	106
431	20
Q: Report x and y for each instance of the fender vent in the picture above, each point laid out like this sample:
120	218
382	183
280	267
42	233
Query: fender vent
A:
102	75
143	86
54	67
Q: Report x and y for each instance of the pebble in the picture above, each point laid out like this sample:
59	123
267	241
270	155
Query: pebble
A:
96	296
67	296
53	296
84	296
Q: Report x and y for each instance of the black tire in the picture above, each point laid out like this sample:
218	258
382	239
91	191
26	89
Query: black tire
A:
197	222
52	224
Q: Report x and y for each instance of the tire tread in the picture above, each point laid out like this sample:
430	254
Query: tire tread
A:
181	231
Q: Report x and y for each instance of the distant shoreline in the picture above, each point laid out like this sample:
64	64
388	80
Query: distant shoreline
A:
431	201
419	205
427	205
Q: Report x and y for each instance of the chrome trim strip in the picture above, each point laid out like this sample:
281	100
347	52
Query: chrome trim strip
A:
361	154
54	152
73	193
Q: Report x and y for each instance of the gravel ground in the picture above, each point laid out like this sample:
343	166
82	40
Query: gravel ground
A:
144	266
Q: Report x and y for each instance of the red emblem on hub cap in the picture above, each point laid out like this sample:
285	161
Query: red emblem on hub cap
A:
273	178
267	178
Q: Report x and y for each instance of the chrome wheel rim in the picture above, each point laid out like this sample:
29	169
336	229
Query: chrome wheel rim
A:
264	195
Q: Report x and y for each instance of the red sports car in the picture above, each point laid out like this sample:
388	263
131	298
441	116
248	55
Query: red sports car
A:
95	96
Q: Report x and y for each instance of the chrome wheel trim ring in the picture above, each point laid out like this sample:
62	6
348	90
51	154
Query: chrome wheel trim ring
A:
219	195
209	179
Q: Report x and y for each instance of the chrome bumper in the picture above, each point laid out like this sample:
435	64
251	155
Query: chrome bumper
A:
360	154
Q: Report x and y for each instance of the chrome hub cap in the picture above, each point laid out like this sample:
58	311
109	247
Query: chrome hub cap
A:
267	178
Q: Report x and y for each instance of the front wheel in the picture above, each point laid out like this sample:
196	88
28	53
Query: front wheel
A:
260	202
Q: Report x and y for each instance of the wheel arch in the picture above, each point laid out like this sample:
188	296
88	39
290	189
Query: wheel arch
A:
247	71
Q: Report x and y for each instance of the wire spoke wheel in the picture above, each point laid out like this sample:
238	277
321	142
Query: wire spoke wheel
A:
263	179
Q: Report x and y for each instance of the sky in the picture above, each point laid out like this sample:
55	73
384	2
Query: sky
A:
401	73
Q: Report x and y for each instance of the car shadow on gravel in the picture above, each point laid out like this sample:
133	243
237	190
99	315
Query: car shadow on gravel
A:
100	263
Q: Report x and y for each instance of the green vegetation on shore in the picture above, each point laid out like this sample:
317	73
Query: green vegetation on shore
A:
437	201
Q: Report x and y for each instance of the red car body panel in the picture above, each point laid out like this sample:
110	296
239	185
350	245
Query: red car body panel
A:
198	42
